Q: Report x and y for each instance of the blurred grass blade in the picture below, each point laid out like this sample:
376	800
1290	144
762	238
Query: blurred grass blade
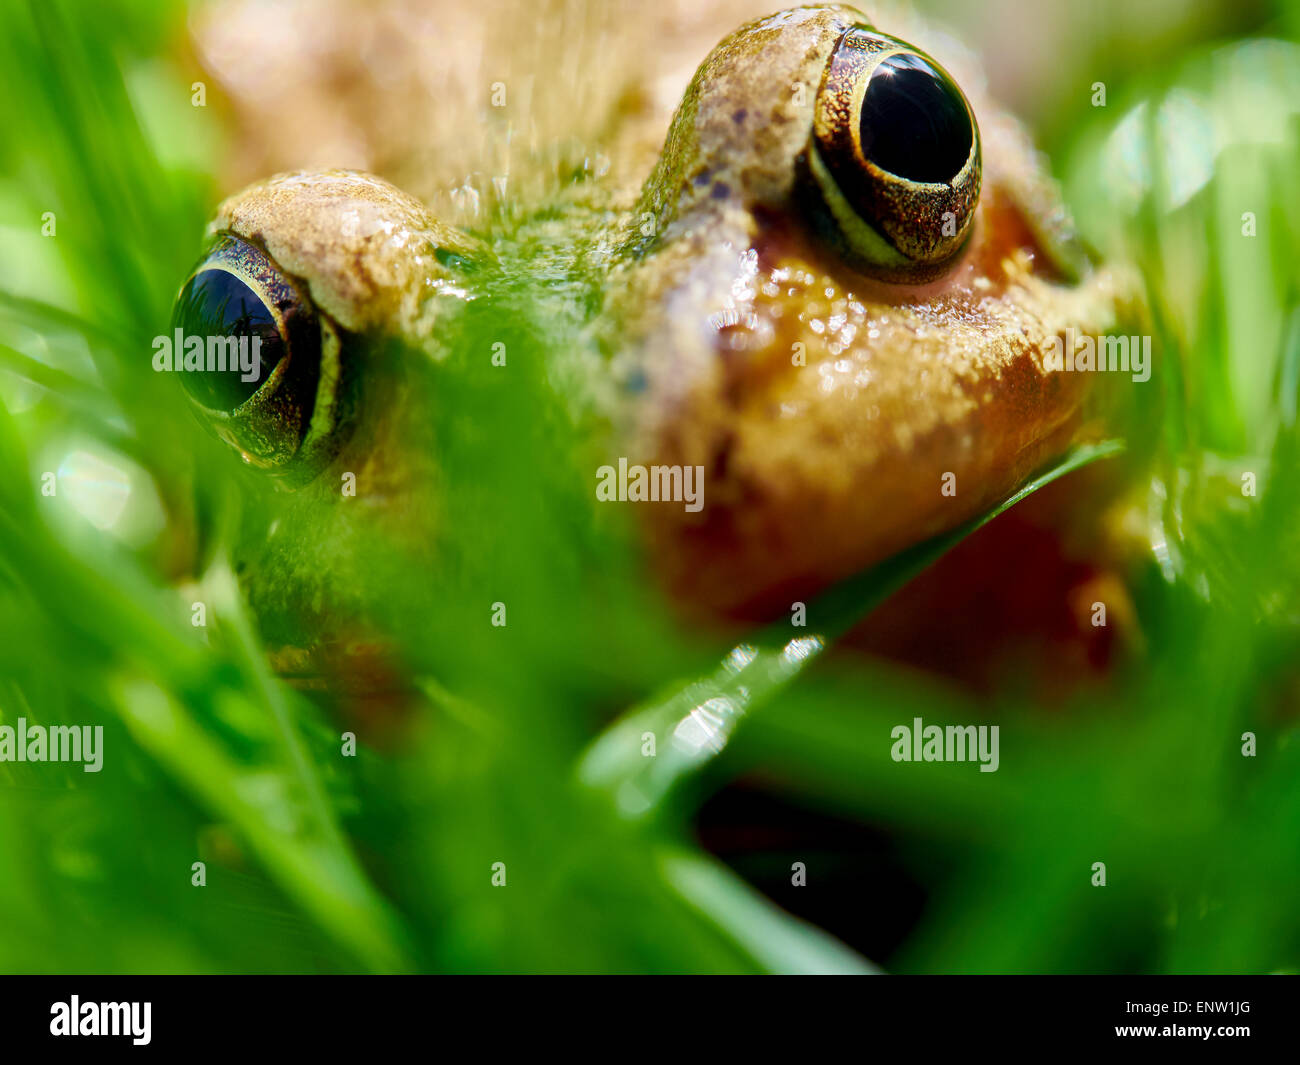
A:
110	613
695	722
41	315
300	849
777	942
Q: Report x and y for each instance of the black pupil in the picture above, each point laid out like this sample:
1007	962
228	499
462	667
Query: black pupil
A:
216	305
914	121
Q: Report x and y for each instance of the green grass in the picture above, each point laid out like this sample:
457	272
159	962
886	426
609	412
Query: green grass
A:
527	749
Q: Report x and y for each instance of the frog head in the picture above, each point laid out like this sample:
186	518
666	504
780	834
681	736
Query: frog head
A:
839	305
831	287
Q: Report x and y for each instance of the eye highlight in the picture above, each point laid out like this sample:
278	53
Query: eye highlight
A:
265	371
895	157
222	299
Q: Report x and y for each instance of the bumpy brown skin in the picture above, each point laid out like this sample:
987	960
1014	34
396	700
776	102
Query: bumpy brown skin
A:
814	471
366	250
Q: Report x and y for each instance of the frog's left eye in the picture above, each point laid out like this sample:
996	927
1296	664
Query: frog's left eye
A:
895	157
261	365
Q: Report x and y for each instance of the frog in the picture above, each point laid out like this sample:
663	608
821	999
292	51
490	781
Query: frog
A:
829	280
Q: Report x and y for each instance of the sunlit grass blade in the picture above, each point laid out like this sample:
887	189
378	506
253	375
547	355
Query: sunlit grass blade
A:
693	724
778	942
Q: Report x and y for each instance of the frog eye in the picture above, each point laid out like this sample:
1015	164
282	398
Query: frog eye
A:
260	364
895	157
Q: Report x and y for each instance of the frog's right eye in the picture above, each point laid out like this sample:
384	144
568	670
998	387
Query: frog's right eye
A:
260	363
895	157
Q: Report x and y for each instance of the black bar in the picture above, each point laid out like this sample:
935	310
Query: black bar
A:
338	1015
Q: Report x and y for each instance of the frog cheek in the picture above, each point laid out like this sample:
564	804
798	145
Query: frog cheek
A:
263	368
892	173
